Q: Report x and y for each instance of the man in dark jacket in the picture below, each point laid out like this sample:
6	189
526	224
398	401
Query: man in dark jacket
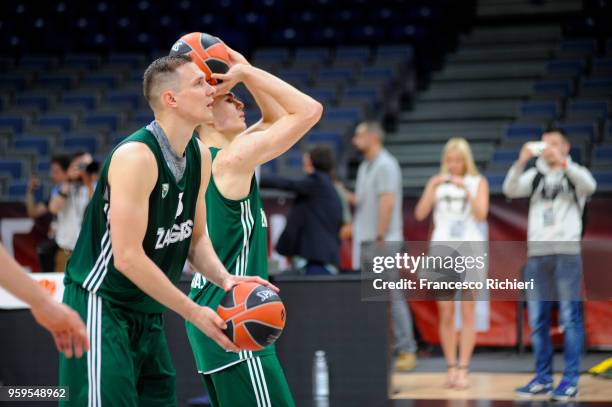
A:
311	237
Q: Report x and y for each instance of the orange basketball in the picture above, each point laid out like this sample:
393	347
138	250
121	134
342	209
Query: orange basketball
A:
207	51
255	316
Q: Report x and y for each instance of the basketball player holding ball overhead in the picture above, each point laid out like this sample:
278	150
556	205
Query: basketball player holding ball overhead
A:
146	217
236	222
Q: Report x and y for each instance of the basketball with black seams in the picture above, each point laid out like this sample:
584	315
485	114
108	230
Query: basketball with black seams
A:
255	316
207	51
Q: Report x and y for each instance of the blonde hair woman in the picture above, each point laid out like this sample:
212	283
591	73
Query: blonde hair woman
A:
459	198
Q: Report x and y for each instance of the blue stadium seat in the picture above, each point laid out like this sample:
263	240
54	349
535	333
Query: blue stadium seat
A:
38	144
293	158
279	55
43	166
39	101
327	137
101	79
84	61
39	62
315	53
107	119
505	155
523	131
604	180
588	109
17	191
402	52
12	167
580	129
602	66
144	116
371	94
353	52
86	100
124	97
539	110
578	47
270	167
58	80
552	88
16	81
127	60
339	113
298	78
73	144
335	74
116	140
325	96
597	87
578	154
64	121
496	181
377	72
603	152
14	121
570	67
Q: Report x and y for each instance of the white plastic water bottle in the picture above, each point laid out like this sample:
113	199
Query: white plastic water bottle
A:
320	376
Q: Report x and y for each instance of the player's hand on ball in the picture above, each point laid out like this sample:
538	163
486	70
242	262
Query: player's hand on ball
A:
230	79
66	327
231	281
207	321
236	57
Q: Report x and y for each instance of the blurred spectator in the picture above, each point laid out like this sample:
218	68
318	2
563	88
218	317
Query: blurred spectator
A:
459	198
311	237
68	204
558	189
58	173
378	203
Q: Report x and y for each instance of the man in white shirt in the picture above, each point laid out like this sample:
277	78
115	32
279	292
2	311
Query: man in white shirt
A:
558	189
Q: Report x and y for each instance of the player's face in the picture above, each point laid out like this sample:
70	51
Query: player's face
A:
228	113
195	96
455	163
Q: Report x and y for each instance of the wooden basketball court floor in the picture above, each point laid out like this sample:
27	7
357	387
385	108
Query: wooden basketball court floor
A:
487	386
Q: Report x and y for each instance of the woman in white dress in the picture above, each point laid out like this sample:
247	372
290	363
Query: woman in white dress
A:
459	198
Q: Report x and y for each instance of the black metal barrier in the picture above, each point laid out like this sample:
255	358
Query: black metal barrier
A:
323	313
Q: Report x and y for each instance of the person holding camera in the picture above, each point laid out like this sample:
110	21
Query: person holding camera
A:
558	189
68	203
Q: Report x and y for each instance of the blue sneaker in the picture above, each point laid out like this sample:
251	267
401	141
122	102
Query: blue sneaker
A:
534	387
565	391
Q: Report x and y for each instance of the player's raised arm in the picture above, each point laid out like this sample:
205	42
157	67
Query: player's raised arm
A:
63	323
201	253
301	113
129	202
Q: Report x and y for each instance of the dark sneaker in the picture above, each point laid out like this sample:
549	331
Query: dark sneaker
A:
565	391
534	387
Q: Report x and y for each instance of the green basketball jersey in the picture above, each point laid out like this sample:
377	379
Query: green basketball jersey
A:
172	207
238	232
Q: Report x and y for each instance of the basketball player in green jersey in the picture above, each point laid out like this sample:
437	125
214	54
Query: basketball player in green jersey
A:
237	223
146	217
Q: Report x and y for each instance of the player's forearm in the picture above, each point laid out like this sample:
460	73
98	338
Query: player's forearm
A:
18	283
204	259
271	111
141	271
